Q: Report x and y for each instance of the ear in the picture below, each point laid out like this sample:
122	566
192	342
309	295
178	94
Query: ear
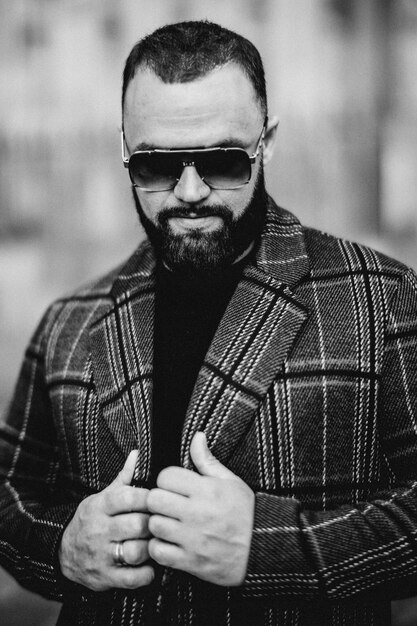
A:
269	139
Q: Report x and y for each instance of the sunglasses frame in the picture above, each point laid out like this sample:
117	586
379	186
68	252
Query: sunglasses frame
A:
188	161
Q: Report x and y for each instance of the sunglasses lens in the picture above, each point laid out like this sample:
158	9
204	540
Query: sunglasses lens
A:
221	168
225	169
154	171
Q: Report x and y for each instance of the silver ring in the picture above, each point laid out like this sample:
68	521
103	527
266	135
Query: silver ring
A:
119	556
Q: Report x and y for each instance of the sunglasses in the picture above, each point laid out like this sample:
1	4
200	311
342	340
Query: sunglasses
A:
219	168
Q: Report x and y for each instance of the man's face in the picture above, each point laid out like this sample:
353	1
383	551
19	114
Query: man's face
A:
193	225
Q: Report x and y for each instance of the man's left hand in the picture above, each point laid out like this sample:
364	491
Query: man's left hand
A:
202	523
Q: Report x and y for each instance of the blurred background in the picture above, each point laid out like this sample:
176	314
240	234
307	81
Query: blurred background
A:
341	77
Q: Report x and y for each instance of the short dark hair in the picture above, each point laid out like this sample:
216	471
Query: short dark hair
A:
182	52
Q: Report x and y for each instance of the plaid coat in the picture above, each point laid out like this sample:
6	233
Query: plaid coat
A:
308	393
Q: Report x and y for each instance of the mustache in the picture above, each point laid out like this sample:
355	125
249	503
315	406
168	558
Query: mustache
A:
201	211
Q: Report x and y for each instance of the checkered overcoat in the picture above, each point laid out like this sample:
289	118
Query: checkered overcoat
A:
308	393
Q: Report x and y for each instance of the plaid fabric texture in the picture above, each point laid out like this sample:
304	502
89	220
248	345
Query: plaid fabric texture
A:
308	392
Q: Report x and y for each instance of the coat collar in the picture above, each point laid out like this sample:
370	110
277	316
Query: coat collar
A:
255	335
281	255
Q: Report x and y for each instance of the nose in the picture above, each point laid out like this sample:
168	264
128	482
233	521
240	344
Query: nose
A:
191	187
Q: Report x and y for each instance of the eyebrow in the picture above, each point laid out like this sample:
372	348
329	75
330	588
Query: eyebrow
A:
227	143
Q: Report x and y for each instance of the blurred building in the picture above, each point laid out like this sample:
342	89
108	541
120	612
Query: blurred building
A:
341	77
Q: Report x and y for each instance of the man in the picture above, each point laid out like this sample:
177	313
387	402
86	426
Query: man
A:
224	429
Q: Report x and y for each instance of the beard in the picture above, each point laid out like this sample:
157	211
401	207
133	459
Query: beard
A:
202	252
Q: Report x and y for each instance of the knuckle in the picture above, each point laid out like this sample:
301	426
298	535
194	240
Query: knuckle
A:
143	525
154	550
136	552
142	553
148	574
152	499
128	499
87	506
129	580
113	528
137	577
154	524
142	492
98	585
93	585
91	527
137	526
108	498
136	498
96	580
158	525
155	500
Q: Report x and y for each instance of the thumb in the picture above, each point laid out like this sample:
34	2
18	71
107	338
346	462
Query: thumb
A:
204	461
125	475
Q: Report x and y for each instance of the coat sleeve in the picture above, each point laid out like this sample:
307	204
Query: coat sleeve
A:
33	509
366	548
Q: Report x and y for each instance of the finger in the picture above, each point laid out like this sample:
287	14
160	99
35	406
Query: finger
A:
135	552
167	529
167	554
132	577
204	461
166	503
179	480
124	499
129	526
126	473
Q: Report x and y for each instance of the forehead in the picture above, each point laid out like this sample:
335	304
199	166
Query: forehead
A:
219	106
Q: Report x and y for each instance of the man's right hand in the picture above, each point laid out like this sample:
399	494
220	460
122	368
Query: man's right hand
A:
88	550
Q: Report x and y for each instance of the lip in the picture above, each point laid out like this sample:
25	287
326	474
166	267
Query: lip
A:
194	216
196	222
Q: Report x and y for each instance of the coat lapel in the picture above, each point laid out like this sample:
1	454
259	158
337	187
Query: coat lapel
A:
122	351
252	341
254	337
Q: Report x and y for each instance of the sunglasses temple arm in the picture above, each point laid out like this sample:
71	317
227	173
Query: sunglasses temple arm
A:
253	157
124	157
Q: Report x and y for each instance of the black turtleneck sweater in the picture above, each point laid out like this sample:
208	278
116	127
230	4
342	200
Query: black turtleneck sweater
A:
187	313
